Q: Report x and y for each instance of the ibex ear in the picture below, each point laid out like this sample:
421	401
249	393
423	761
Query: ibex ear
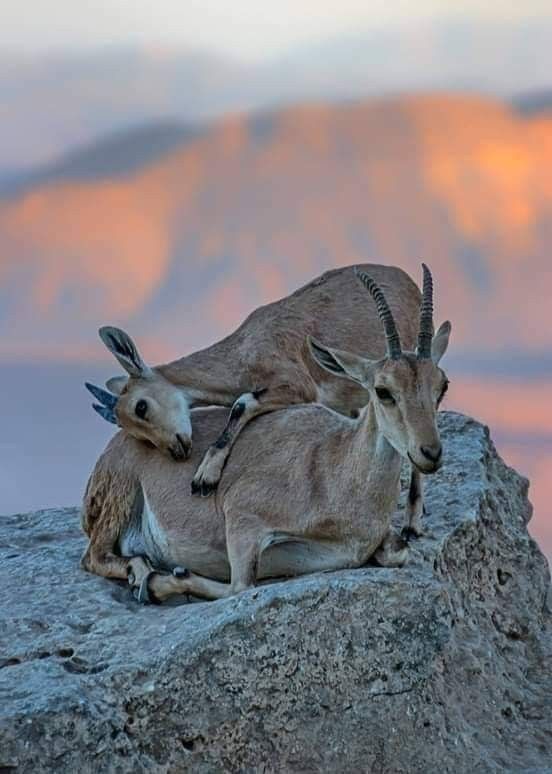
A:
338	362
121	345
116	384
440	342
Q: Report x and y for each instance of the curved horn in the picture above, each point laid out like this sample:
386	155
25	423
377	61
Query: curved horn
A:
425	334
392	339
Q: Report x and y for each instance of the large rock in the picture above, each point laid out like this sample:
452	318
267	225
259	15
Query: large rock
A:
442	666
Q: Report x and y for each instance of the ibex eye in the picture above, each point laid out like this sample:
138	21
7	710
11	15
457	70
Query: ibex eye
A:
384	395
141	409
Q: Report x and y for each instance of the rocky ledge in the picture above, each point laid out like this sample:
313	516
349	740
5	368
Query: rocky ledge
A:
441	666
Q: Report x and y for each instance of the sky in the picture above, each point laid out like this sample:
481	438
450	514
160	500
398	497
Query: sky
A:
245	29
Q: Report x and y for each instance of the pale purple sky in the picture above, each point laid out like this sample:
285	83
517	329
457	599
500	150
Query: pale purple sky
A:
246	29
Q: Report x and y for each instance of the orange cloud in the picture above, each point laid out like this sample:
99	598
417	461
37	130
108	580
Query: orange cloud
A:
110	240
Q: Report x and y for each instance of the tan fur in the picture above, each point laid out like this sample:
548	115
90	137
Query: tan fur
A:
268	352
108	502
306	489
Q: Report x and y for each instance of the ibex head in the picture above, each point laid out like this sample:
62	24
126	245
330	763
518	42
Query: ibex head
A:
144	403
405	388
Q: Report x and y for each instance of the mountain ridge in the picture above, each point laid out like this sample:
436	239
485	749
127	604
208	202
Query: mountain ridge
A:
115	155
74	97
256	206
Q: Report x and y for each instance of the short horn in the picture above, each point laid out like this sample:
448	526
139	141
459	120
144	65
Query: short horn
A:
425	334
392	339
106	413
105	398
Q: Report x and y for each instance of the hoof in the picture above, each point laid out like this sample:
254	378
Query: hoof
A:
204	488
131	573
207	488
143	593
408	534
180	572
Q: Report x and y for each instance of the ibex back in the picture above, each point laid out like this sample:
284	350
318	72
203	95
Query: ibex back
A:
264	365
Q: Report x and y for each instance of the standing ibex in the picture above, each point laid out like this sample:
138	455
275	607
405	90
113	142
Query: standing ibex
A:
306	489
264	365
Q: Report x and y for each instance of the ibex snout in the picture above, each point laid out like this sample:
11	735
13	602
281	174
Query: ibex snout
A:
429	457
432	453
182	448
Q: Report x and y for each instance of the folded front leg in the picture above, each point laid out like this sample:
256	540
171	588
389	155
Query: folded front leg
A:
153	586
246	407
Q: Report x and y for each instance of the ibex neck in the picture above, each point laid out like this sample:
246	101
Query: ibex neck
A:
373	450
209	377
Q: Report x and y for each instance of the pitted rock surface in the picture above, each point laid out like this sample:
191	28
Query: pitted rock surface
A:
444	665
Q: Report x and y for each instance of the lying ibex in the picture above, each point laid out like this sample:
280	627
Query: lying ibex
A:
306	489
264	365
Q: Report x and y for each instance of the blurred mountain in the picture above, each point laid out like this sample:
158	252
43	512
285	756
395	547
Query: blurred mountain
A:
76	98
53	104
181	239
534	102
117	155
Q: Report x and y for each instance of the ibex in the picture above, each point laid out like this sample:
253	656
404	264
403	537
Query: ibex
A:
306	489
264	365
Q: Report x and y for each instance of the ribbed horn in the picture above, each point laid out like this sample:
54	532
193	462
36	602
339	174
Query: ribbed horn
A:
392	339
425	334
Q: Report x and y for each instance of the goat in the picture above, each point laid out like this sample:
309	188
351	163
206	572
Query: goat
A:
262	366
306	489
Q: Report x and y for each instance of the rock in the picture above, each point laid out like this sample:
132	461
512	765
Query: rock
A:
441	666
